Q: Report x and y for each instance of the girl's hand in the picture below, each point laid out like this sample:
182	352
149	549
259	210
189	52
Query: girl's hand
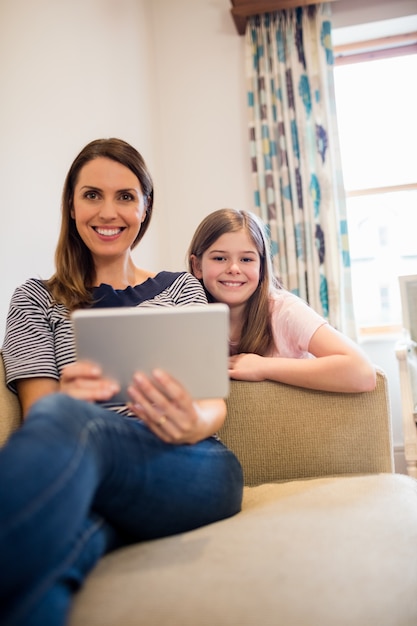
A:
247	367
85	381
170	412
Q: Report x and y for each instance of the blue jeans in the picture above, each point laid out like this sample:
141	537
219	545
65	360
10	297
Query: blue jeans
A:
77	481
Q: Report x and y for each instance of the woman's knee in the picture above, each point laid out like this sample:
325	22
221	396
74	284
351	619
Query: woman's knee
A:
58	410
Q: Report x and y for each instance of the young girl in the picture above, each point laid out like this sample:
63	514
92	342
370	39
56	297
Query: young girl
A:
273	333
78	479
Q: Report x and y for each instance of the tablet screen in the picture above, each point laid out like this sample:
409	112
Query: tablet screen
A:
189	342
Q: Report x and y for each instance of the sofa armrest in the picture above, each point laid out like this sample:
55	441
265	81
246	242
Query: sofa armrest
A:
10	412
280	432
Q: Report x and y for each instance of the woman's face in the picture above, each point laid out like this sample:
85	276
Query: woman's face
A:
230	268
108	208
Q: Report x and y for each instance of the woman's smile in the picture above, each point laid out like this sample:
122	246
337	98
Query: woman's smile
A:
108	208
108	233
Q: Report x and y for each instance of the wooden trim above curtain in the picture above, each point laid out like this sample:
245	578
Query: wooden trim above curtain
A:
242	9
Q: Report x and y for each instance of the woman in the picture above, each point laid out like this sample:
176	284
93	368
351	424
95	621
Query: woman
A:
85	478
274	333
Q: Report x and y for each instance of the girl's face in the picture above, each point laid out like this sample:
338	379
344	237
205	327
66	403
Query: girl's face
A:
230	268
108	208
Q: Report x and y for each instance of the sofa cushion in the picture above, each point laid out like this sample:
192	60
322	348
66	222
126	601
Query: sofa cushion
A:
316	552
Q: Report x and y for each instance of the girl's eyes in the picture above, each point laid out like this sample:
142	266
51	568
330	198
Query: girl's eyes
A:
243	259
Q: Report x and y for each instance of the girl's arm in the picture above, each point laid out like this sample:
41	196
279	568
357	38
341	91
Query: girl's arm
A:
171	413
340	365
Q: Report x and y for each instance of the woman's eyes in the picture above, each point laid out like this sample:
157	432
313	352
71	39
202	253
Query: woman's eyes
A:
90	195
126	196
94	195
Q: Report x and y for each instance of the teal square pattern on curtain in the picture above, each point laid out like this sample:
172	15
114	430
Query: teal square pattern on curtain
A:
295	158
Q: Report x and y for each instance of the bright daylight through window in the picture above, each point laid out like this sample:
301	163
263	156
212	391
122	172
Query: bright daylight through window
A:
377	118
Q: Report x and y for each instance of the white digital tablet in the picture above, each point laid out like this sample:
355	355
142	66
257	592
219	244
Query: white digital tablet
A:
189	342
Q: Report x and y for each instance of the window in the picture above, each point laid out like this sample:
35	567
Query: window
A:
377	118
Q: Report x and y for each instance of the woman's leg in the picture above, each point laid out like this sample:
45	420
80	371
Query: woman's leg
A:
165	489
49	540
47	601
71	458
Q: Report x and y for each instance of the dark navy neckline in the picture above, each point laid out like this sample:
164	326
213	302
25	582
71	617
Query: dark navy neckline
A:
105	296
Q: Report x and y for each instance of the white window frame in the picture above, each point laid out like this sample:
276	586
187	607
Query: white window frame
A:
360	52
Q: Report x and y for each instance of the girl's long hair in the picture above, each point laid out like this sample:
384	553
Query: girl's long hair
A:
256	336
74	267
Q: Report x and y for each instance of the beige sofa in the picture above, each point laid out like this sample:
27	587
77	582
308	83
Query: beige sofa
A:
327	535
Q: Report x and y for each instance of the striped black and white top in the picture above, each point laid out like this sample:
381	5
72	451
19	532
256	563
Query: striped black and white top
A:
39	338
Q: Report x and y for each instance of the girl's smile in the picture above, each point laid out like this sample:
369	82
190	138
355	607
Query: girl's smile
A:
229	284
230	268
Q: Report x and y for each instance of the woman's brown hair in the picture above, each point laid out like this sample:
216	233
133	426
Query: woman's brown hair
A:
256	334
74	274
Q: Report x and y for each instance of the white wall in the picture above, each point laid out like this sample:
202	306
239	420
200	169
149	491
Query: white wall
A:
202	128
70	71
166	75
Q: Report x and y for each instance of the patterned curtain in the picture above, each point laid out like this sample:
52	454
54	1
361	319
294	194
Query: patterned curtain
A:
296	167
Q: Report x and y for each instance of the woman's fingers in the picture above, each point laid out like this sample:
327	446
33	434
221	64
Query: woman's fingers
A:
163	404
85	381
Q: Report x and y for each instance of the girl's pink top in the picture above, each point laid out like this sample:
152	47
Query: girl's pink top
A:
294	323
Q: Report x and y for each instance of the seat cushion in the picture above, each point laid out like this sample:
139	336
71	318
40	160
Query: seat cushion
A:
316	553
